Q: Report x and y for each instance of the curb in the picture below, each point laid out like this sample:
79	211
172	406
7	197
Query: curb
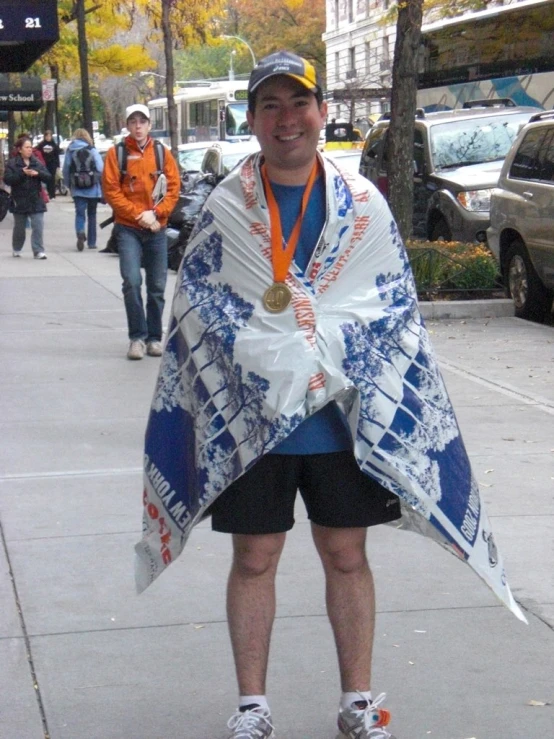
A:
458	309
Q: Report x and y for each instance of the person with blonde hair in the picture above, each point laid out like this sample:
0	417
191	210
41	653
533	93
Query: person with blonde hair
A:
82	172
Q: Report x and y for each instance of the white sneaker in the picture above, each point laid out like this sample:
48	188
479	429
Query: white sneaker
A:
252	724
363	720
136	350
40	255
16	253
154	348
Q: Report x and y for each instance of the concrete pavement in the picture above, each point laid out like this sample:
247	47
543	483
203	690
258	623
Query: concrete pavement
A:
83	657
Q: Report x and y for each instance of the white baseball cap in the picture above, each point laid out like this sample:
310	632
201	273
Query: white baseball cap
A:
138	108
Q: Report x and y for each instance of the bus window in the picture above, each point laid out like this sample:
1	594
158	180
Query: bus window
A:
157	115
235	119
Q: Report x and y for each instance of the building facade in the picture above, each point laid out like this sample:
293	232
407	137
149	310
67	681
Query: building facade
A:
359	54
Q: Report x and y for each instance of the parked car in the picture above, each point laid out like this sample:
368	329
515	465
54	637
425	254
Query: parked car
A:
190	155
189	159
223	156
347	159
457	159
521	233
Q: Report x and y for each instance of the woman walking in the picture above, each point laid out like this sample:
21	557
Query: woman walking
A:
82	170
25	175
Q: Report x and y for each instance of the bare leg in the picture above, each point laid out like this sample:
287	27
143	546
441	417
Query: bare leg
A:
251	606
350	596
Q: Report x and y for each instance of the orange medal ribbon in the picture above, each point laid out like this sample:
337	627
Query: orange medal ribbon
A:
278	296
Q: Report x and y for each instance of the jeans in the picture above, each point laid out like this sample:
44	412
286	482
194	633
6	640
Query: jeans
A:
85	208
141	247
37	227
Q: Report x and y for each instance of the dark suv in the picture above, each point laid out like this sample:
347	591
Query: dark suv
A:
457	159
521	234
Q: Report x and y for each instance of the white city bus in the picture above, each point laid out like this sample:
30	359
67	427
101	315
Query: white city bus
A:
206	111
502	52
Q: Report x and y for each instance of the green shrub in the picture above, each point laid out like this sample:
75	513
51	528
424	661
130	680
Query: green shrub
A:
450	266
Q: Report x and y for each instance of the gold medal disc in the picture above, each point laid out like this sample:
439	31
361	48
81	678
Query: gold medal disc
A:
277	297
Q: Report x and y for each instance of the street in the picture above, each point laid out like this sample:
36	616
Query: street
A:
84	657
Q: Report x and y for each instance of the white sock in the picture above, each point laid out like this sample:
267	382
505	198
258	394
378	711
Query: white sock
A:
248	700
347	699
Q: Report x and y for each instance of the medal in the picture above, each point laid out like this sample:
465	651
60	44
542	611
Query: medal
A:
277	297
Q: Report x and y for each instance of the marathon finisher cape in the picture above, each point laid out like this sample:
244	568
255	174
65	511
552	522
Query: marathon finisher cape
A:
235	379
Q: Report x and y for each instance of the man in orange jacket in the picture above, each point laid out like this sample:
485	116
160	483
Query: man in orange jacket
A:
140	224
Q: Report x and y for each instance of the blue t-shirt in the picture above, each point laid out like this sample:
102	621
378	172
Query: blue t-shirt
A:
326	430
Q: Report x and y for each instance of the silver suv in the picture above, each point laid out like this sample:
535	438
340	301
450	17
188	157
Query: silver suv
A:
457	159
521	234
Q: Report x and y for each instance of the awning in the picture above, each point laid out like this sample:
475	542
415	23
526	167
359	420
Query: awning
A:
28	28
19	92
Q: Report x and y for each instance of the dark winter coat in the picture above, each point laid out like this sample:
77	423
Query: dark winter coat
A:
25	196
51	153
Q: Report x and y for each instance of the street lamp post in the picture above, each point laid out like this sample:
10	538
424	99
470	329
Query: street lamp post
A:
231	70
246	44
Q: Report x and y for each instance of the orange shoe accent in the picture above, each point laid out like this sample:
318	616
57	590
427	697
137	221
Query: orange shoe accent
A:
384	717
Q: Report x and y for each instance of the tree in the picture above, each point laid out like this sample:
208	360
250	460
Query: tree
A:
88	29
403	110
181	22
297	25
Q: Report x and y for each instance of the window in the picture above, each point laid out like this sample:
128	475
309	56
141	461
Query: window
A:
419	152
351	71
525	164
459	143
157	119
546	173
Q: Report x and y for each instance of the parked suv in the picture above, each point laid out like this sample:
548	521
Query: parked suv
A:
521	234
223	156
457	159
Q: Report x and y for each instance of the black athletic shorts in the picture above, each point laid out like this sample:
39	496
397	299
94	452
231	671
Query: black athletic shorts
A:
335	491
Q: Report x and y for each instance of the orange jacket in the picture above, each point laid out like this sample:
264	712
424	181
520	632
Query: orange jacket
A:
133	196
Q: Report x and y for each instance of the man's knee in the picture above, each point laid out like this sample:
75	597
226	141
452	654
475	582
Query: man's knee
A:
341	550
256	556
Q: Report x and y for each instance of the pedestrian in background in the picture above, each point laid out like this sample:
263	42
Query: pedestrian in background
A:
131	188
85	185
25	174
51	154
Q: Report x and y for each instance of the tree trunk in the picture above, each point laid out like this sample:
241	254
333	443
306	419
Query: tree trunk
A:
403	110
169	75
83	64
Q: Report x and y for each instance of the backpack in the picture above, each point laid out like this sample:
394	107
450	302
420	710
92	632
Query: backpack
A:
83	168
159	153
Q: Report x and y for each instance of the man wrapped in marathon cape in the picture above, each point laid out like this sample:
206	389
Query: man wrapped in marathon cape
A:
235	379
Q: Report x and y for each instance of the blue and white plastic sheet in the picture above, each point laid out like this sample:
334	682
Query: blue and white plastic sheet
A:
235	380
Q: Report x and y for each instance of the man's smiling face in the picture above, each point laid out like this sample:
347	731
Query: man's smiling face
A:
287	121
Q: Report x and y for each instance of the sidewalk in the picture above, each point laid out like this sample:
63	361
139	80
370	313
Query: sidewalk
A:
83	657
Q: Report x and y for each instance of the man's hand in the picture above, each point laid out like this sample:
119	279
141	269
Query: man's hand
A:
146	219
155	227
